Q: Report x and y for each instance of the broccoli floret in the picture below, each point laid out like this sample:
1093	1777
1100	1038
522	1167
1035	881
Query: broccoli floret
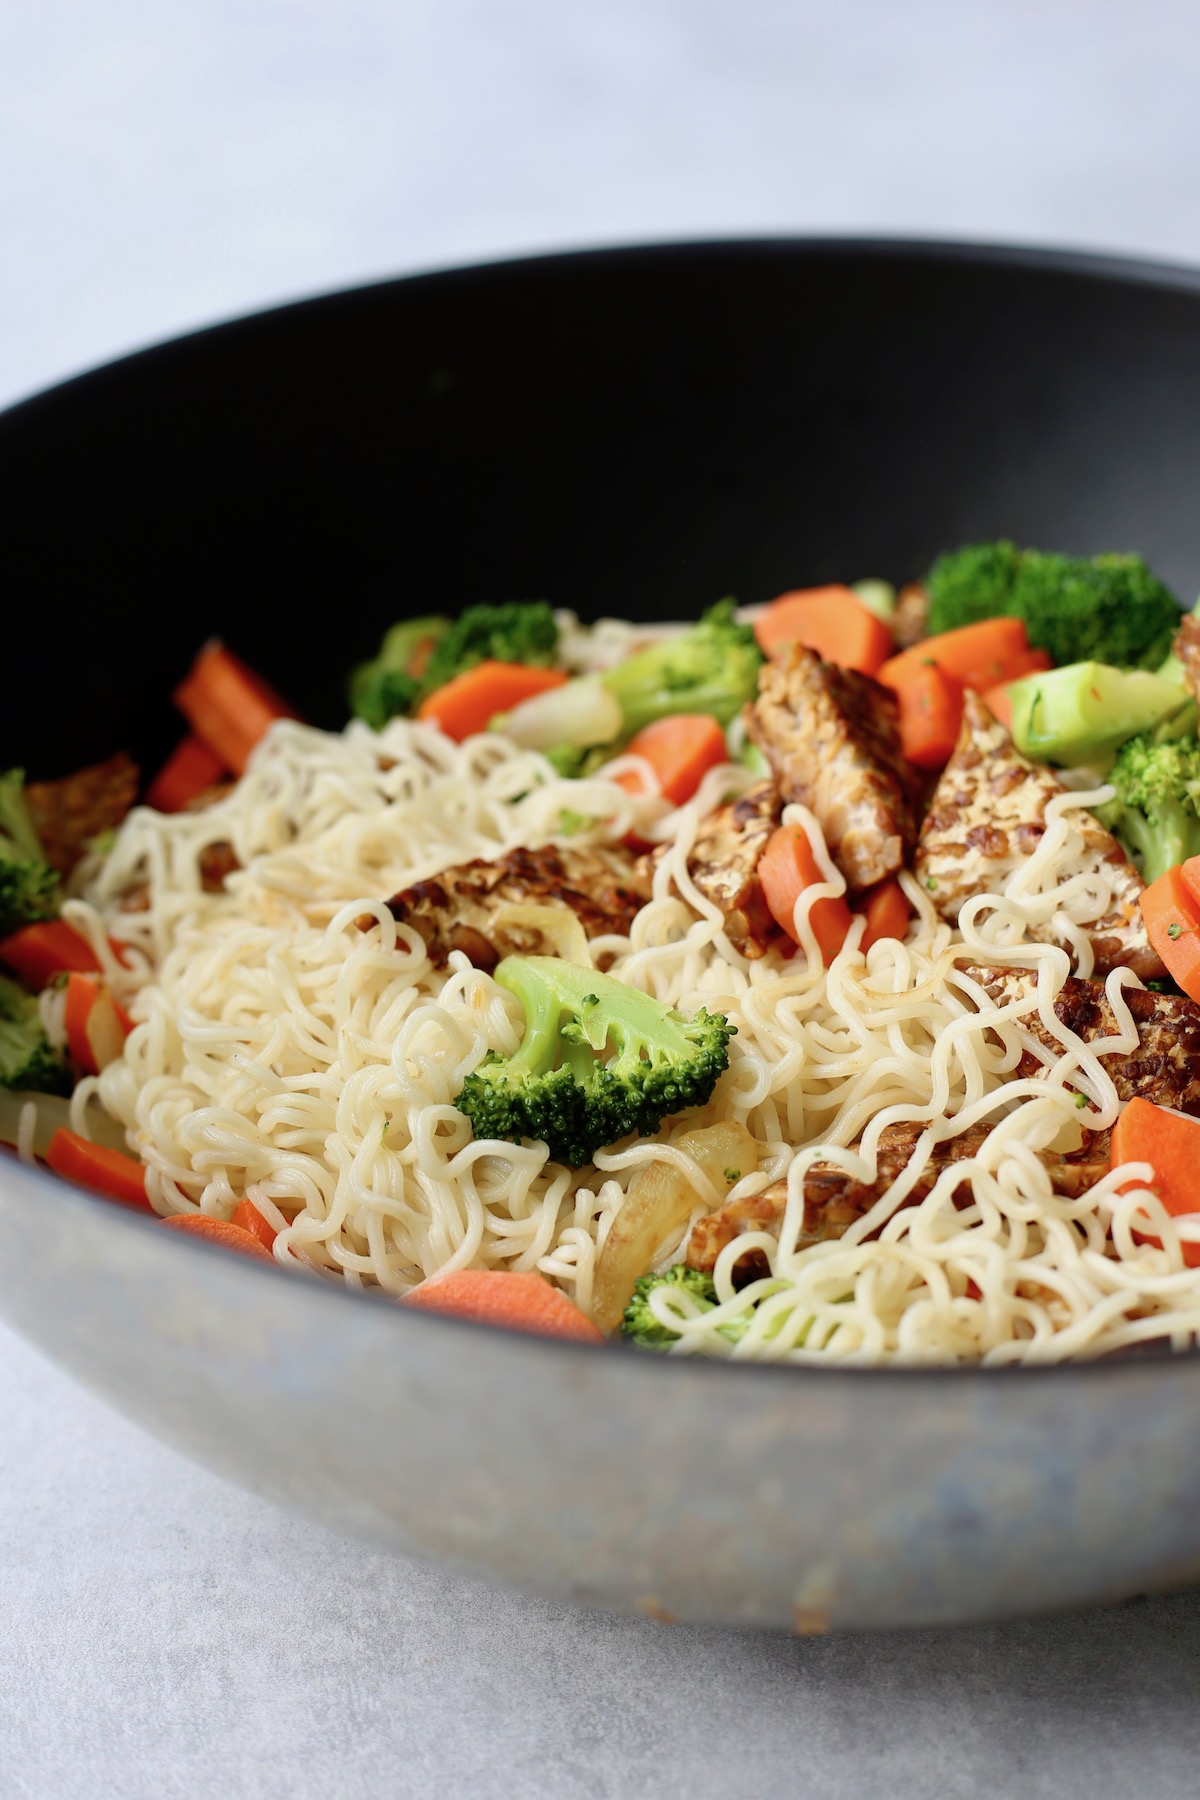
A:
516	631
1108	609
711	668
643	1328
598	1060
391	682
1079	714
28	885
1156	809
26	1059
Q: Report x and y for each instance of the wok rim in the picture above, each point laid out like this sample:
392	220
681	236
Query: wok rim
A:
1097	266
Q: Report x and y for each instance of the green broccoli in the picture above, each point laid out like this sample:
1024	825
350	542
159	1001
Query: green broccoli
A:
1156	809
598	1060
515	631
27	1061
28	885
710	668
643	1328
1108	609
391	682
1080	713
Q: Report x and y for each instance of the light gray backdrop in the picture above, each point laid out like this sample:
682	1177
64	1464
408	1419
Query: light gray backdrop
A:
162	1634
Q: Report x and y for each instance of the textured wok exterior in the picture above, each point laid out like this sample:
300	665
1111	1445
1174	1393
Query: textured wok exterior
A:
635	432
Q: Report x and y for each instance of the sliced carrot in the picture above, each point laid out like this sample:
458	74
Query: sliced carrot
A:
931	704
518	1301
888	912
785	869
473	699
1146	1133
979	656
190	768
830	620
37	953
247	1215
681	750
96	1025
1189	874
227	705
109	1172
1171	911
220	1231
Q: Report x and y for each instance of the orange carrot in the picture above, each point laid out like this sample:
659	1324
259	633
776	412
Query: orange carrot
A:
931	704
227	705
681	750
190	768
472	700
1146	1133
109	1172
888	912
96	1025
830	620
220	1231
520	1302
1171	911
979	656
247	1215
786	867
37	953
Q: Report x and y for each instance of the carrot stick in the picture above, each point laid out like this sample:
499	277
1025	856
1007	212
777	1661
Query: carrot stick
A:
979	655
888	912
830	620
37	953
519	1302
247	1215
1172	914
681	749
227	705
96	1026
1146	1133
220	1231
786	867
109	1172
472	700
190	768
931	704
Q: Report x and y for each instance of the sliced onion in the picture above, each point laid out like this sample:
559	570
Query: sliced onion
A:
577	715
658	1205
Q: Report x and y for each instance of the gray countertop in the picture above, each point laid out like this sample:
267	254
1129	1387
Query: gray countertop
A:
164	1634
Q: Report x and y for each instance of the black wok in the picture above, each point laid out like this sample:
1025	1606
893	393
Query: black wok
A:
635	432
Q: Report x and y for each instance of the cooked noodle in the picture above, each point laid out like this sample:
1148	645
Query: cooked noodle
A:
293	1044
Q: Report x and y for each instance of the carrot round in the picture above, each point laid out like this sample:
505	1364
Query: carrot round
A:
931	704
1146	1133
681	749
219	1231
247	1216
227	705
472	700
1171	911
979	656
96	1025
887	910
830	620
37	953
785	869
190	768
109	1172
518	1302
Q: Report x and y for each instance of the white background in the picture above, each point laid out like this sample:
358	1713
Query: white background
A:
161	165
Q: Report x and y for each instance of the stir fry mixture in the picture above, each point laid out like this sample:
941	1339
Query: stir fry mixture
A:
818	981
